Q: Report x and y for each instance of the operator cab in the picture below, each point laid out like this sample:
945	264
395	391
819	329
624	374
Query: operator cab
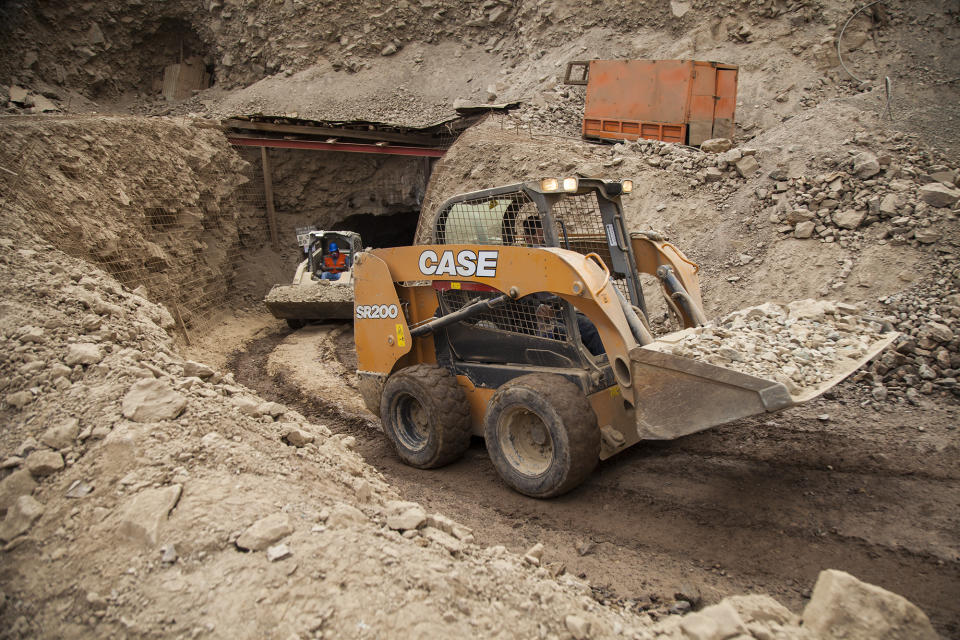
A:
540	330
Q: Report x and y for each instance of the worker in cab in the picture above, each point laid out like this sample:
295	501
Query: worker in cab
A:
334	263
547	321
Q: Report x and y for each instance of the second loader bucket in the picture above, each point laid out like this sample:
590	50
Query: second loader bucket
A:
315	301
678	395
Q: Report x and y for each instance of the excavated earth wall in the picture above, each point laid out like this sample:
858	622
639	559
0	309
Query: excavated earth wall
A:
156	203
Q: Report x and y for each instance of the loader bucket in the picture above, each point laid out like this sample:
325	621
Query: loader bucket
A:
676	396
318	301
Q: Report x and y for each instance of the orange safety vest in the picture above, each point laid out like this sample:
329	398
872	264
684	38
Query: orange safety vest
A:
334	266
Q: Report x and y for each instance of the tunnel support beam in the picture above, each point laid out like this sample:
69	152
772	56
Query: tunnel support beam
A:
268	194
336	146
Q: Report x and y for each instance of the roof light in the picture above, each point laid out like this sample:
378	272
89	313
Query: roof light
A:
549	184
570	184
627	186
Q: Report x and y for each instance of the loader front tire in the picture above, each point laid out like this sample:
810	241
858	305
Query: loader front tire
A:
425	416
295	324
541	435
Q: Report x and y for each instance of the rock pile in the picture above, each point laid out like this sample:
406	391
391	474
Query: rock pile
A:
802	345
908	200
840	607
926	360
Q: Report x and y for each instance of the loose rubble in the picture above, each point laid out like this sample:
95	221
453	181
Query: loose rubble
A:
802	345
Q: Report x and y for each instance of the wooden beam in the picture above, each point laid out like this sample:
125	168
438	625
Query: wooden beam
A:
268	192
340	132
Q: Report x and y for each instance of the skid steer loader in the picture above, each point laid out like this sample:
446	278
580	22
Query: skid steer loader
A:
484	332
310	297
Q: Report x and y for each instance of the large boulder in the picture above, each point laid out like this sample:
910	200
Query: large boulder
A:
747	166
938	195
152	400
849	218
716	145
843	607
63	435
804	230
20	517
144	513
866	165
43	463
265	531
19	483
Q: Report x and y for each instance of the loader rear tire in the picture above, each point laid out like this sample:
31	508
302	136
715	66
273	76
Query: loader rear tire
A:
541	435
425	416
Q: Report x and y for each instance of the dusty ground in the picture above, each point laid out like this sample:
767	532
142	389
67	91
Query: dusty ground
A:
757	506
152	210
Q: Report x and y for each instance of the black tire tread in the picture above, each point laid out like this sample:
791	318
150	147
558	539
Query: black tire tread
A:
574	410
439	388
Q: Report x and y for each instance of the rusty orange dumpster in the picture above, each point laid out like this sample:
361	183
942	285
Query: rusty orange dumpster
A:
685	101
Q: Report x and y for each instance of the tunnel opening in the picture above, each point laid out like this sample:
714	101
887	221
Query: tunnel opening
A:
381	231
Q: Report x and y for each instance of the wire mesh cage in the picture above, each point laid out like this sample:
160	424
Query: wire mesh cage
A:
490	220
581	229
539	315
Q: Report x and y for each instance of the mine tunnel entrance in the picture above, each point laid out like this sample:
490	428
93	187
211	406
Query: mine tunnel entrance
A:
379	231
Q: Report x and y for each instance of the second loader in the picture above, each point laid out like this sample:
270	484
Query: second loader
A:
522	320
310	296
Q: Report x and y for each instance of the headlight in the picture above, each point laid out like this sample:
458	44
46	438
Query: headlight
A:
549	184
570	184
627	186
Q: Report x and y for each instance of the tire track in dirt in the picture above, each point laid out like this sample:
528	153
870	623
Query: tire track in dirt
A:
762	512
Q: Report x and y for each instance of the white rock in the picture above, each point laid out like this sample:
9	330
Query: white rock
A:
294	435
843	607
142	515
578	627
403	516
272	409
278	552
265	531
247	405
20	517
83	353
534	554
717	622
344	515
152	400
